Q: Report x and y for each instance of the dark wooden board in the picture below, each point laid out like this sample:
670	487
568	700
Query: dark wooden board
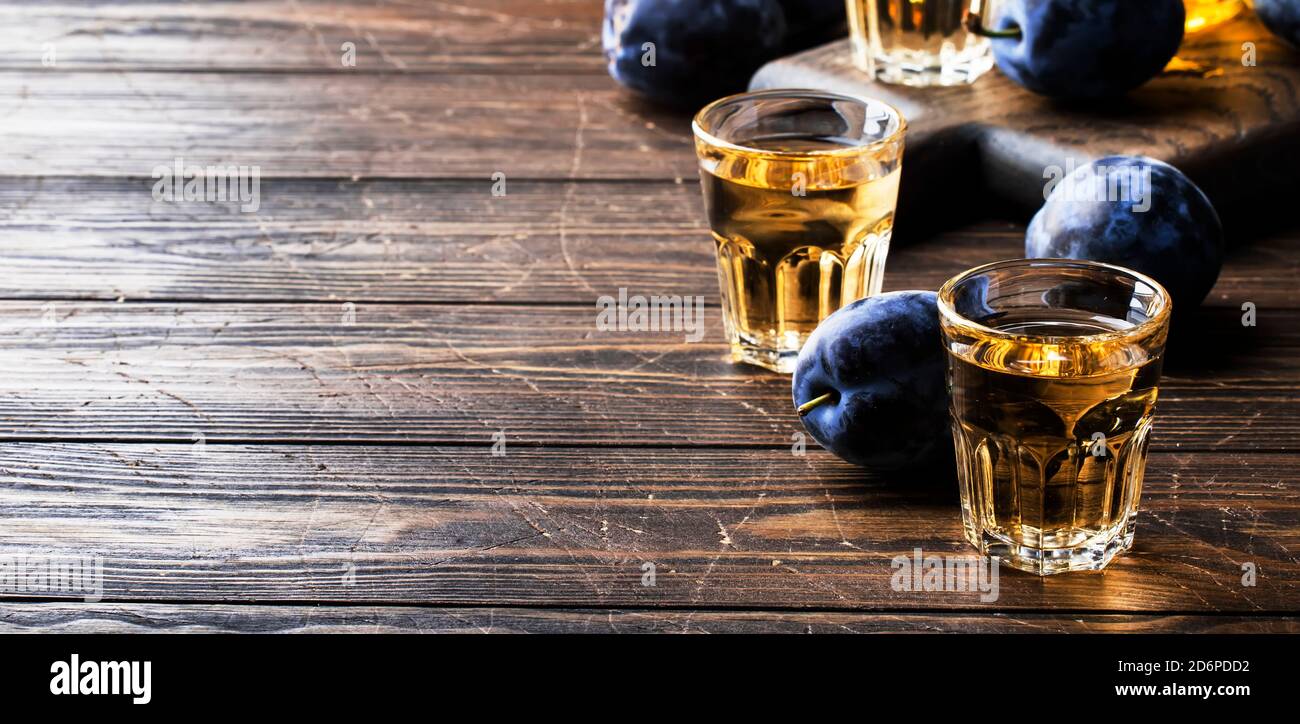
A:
575	527
224	618
444	241
1234	129
460	373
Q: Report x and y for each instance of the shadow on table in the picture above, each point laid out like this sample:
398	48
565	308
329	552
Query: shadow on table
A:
932	483
1207	341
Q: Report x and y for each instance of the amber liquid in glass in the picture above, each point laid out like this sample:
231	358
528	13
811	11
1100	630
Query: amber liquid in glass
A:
1051	438
801	229
1205	14
917	42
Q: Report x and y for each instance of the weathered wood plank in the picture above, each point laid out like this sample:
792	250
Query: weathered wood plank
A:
377	241
444	241
462	373
576	527
339	126
483	36
58	617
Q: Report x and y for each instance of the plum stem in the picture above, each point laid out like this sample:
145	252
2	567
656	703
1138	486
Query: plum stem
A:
1011	32
975	24
808	406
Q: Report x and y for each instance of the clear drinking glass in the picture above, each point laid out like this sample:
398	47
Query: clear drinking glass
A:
917	42
1053	368
800	188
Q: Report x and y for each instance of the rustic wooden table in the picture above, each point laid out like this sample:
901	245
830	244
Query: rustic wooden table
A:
285	420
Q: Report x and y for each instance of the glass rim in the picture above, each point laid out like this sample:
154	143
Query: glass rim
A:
949	313
697	125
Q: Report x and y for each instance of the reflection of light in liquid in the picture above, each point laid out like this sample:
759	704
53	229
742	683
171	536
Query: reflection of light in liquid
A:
1205	14
1043	360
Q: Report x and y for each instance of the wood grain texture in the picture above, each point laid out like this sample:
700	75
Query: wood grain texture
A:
338	126
575	527
298	405
223	618
543	375
446	241
481	36
1235	129
366	241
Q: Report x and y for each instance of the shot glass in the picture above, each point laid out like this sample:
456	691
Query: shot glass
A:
800	188
1053	367
917	42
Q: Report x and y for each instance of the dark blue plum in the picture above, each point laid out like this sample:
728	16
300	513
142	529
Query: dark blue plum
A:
1282	18
1136	212
813	22
882	360
1087	49
703	49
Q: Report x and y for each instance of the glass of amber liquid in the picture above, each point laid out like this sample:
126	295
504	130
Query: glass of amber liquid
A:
800	188
917	42
1206	14
1053	366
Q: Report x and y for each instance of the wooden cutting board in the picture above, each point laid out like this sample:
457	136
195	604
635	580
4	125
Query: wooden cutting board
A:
1232	127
